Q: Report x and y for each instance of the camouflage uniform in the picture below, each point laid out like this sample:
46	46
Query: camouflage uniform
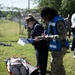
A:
57	67
57	28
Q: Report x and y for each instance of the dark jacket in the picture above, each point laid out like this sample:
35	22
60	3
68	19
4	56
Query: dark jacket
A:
37	30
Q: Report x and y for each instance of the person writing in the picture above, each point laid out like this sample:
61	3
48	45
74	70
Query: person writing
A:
57	39
39	44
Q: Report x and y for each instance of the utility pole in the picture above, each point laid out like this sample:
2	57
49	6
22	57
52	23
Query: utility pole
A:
28	4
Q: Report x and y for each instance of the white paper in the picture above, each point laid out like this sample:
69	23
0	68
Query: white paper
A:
22	41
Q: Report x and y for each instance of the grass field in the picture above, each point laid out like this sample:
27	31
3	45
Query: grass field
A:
9	34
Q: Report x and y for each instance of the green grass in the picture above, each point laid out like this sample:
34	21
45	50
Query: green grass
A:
9	33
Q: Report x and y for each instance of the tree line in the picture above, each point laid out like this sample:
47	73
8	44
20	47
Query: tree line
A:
64	7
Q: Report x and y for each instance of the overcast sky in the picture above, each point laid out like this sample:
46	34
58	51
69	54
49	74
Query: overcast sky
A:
17	3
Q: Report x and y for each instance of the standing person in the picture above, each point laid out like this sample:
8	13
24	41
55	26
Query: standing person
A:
73	31
68	24
25	25
39	45
58	46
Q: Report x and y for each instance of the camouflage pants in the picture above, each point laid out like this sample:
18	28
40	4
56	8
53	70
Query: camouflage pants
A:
57	67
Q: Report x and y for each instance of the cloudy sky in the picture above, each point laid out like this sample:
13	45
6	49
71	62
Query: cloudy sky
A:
17	3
